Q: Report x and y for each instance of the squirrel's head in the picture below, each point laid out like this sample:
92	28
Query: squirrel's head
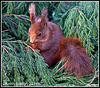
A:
38	24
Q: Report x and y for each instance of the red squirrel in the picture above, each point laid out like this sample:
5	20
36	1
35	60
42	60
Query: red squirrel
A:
48	39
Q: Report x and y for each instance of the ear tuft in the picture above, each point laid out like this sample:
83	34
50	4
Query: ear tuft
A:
44	15
32	12
44	12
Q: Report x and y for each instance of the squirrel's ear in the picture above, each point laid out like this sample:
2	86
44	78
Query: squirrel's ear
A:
32	12
44	15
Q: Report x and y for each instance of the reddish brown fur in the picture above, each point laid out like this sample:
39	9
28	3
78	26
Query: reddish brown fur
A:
78	61
48	38
51	34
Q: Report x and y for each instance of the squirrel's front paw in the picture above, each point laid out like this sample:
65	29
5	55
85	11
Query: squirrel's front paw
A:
37	50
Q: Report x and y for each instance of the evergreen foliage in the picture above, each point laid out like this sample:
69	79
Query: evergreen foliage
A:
21	68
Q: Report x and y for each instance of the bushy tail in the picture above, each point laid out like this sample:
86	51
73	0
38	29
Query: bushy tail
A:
78	61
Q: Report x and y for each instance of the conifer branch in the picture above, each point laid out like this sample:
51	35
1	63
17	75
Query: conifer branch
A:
5	30
93	79
13	22
5	73
17	16
22	43
4	49
61	68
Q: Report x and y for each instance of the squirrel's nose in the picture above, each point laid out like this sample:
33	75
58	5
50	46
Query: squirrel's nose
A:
32	40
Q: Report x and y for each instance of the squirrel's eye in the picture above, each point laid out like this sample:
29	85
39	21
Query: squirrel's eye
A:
39	34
